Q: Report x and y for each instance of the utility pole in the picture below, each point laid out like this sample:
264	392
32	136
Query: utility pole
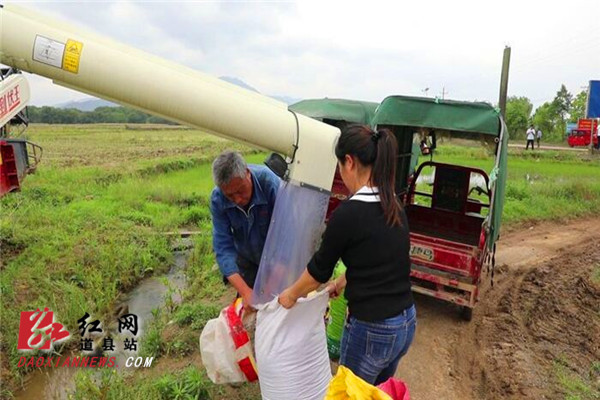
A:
444	93
504	81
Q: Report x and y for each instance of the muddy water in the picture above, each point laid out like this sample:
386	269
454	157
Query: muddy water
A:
57	383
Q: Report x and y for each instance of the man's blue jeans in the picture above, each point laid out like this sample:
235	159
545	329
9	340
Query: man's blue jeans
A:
372	350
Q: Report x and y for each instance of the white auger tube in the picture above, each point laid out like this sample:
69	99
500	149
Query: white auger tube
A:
92	64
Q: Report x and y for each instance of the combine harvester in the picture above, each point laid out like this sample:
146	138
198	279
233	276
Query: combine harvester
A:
18	157
453	231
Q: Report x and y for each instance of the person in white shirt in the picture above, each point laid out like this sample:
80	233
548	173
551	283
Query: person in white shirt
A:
538	137
530	137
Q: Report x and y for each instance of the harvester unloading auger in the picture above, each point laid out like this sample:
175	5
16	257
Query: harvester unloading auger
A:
91	64
88	63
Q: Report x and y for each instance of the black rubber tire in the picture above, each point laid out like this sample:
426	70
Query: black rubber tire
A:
466	313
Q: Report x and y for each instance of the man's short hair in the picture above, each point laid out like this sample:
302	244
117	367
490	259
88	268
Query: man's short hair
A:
228	165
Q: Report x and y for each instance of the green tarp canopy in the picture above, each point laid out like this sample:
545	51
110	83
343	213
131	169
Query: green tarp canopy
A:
469	117
417	112
455	116
499	187
360	112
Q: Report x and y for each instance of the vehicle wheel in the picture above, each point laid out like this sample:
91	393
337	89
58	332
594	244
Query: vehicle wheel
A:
466	313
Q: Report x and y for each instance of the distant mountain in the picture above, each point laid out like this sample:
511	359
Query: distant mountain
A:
89	104
286	99
238	82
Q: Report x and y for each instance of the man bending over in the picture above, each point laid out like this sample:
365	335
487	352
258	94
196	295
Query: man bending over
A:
241	205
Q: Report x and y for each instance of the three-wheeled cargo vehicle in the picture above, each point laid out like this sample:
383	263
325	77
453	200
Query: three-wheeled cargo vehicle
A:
454	211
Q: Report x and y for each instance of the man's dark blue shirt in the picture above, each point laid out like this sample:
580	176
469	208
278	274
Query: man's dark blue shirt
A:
237	232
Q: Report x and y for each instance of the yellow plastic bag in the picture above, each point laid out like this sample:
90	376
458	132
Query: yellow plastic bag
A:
347	386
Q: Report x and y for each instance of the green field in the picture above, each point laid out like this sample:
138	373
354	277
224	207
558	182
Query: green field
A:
90	224
542	185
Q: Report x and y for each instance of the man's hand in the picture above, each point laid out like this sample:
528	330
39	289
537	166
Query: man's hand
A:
243	289
247	299
287	299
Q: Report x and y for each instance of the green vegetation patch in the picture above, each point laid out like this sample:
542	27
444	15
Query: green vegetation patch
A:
88	226
541	185
188	384
578	386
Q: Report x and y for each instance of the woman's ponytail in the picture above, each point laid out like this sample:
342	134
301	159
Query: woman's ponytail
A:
383	175
379	150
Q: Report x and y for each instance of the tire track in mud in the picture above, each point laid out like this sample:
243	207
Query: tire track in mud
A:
544	309
543	318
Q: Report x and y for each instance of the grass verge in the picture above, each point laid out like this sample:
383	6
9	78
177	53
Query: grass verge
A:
579	386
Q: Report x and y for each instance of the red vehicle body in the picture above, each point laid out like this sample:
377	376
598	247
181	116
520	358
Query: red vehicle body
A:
448	244
587	130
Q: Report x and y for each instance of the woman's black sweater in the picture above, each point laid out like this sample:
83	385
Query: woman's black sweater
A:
376	257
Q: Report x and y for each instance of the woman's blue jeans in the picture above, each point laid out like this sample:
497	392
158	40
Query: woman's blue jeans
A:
372	350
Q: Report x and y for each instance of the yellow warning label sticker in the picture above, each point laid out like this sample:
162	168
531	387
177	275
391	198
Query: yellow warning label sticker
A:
72	55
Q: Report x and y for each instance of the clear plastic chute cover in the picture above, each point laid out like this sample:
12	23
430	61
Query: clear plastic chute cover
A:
294	234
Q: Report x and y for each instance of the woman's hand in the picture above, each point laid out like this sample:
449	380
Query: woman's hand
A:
336	287
304	285
287	299
333	290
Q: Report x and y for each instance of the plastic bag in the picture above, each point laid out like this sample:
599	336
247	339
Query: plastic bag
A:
347	386
337	317
226	349
291	349
395	388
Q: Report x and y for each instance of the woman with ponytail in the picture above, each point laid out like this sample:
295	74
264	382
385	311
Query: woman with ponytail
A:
369	232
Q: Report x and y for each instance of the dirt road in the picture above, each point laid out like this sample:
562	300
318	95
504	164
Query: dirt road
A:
548	147
542	314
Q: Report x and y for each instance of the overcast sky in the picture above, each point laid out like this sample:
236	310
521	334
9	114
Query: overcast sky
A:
366	51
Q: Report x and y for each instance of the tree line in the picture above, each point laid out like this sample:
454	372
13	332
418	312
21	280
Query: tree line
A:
551	117
54	115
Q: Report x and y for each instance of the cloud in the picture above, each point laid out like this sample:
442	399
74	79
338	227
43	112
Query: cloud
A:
362	50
